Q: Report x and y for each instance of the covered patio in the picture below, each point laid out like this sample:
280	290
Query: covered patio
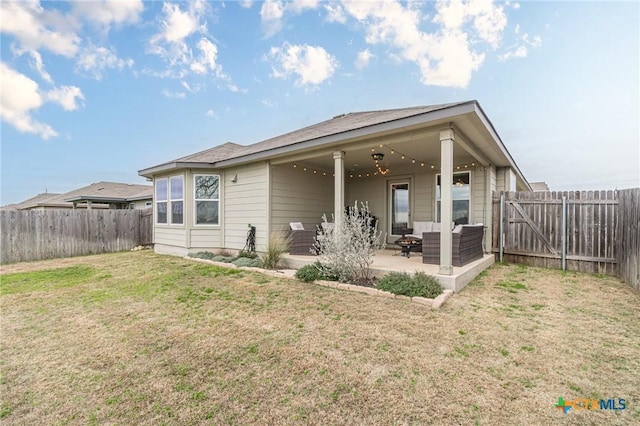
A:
389	260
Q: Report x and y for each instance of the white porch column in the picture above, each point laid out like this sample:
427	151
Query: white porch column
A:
446	203
338	190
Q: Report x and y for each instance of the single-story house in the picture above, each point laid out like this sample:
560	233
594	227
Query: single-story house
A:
99	195
437	163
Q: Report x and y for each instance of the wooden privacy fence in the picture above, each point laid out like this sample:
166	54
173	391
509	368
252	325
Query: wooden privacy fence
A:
589	231
45	234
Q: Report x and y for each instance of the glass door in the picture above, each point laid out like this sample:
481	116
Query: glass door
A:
400	211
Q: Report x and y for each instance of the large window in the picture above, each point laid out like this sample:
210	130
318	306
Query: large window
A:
207	199
161	201
461	194
170	200
177	200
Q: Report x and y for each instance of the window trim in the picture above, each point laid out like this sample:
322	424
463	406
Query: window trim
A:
436	199
195	201
172	200
168	201
156	201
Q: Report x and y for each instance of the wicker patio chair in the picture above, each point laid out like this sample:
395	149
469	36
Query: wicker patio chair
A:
302	241
466	245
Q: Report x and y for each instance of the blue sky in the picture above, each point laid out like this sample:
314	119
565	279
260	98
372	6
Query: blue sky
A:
98	90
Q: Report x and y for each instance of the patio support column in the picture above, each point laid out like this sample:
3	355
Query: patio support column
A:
446	200
338	190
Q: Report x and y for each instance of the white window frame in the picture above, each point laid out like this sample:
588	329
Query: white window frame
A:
436	199
195	200
156	201
168	201
173	200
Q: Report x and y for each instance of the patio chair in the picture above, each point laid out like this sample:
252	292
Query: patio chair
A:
466	245
302	241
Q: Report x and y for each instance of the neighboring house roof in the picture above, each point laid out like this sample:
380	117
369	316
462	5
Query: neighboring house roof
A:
539	186
100	192
31	202
337	130
109	192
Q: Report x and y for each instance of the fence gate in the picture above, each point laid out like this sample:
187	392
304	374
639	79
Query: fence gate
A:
568	230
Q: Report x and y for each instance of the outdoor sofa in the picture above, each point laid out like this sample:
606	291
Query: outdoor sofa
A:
466	245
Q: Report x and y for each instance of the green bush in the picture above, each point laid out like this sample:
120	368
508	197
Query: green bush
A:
225	259
309	273
247	261
248	254
202	255
420	284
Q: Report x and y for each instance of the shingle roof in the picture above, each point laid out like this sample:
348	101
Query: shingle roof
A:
338	124
105	191
31	202
102	190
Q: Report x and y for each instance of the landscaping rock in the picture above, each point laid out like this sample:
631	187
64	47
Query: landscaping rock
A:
422	300
438	301
386	294
402	297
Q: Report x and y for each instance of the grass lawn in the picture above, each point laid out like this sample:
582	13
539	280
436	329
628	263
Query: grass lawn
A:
139	338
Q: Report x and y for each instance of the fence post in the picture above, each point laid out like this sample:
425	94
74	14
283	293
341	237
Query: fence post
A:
501	239
564	233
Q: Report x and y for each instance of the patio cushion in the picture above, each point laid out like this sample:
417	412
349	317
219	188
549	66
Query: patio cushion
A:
419	228
296	226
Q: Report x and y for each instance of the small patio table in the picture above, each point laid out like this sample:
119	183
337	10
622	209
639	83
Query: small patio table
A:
408	243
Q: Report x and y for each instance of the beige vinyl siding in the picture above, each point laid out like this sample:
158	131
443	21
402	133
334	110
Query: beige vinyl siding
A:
371	190
206	238
478	196
245	202
424	197
172	236
298	196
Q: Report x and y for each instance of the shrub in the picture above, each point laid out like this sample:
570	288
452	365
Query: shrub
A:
202	255
224	253
247	261
309	273
420	284
248	254
225	259
347	253
272	257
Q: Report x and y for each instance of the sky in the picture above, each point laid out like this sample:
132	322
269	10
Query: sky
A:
97	90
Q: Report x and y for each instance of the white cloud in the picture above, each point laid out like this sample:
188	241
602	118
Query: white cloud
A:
312	64
35	63
173	95
335	13
177	45
362	61
271	14
246	4
95	60
20	96
108	12
67	96
268	103
36	28
212	114
445	56
519	49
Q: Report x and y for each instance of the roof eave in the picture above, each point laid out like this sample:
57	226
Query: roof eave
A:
175	165
338	138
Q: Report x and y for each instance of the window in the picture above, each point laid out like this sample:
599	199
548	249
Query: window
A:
161	201
170	200
207	199
461	194
177	200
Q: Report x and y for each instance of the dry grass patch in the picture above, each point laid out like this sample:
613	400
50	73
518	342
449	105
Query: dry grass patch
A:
139	338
